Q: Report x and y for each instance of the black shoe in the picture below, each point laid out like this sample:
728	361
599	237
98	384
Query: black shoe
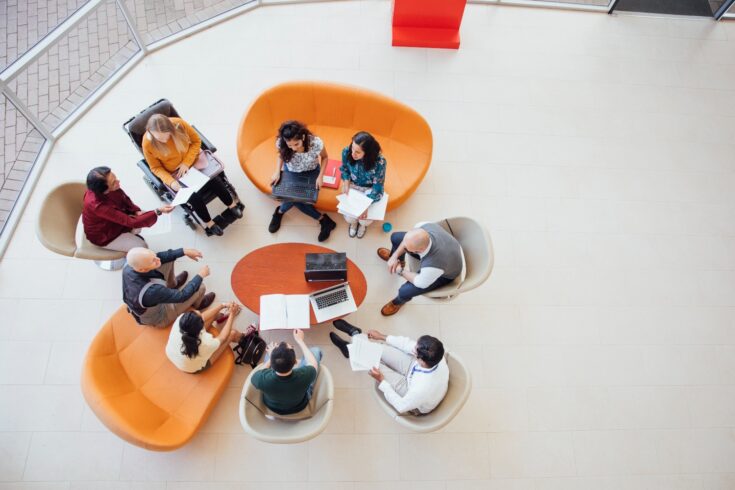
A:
327	225
341	344
236	212
276	220
214	230
206	301
347	328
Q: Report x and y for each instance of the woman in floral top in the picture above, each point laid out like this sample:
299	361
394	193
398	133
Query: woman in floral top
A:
300	151
363	169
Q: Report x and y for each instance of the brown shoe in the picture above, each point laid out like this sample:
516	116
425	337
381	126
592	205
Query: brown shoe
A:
390	308
206	301
181	279
384	253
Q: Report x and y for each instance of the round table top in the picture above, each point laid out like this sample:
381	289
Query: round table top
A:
279	269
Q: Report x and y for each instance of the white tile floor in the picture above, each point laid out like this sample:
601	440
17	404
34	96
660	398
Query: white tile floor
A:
597	150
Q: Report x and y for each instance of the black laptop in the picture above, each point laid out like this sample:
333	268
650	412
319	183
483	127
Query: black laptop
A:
293	186
326	267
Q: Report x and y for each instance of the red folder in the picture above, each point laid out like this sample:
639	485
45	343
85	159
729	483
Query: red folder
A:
332	171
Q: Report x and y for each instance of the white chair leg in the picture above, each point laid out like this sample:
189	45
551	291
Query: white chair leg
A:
111	265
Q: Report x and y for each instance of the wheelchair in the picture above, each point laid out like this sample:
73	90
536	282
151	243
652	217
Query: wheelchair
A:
135	129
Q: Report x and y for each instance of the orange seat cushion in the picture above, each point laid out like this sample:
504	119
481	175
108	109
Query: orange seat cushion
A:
139	394
335	113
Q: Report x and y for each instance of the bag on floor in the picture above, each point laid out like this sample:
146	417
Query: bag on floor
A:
250	348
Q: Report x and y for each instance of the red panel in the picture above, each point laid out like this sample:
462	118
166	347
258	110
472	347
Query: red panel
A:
427	23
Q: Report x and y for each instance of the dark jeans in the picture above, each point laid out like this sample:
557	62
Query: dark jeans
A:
215	185
306	208
408	291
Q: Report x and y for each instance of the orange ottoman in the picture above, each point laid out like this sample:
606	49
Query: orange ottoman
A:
139	394
335	113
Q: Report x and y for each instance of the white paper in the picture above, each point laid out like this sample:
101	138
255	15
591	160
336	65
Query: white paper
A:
160	227
354	204
194	179
364	355
182	196
375	211
329	179
280	311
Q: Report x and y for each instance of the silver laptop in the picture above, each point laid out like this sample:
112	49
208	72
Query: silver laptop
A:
332	302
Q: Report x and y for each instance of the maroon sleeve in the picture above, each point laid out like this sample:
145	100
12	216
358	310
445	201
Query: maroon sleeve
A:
116	216
130	206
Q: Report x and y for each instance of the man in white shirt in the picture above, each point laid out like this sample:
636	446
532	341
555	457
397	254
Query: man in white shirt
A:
440	262
413	374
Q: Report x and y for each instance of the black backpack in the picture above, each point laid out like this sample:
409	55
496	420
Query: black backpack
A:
249	349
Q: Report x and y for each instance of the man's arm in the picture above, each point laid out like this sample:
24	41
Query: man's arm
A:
298	336
403	344
402	404
424	278
158	294
170	255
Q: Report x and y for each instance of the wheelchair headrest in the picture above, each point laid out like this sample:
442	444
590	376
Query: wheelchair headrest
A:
136	126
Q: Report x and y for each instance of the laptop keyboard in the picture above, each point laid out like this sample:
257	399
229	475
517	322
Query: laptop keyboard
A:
296	189
331	299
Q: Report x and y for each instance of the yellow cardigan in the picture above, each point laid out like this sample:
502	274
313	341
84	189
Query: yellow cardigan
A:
162	165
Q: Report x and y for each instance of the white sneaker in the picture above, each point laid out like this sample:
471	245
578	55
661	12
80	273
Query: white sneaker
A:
361	231
352	230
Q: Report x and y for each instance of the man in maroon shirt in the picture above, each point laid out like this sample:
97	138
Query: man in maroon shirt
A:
111	220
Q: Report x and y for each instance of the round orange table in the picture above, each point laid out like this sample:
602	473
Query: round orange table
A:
279	269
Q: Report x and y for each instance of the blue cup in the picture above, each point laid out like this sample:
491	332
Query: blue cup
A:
387	227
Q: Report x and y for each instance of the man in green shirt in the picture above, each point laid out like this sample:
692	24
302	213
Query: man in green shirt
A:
286	389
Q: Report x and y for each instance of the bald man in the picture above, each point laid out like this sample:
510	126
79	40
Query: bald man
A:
440	262
153	293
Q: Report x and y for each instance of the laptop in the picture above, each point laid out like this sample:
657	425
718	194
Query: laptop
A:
332	302
295	187
326	267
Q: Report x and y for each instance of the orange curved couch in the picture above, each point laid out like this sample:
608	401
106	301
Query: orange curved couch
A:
335	113
139	394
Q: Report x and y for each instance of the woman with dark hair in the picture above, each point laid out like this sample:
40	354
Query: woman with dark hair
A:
191	347
363	169
299	151
171	147
111	220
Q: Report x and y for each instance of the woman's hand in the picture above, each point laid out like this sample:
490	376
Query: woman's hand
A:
166	209
275	177
319	181
363	215
180	171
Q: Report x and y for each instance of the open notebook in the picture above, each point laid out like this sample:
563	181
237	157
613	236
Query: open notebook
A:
281	311
364	355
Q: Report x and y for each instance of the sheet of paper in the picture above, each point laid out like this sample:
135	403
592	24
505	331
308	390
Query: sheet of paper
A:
297	311
194	179
273	312
376	211
354	204
161	227
364	355
182	196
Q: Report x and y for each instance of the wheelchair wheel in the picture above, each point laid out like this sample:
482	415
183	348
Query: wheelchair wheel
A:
155	190
190	222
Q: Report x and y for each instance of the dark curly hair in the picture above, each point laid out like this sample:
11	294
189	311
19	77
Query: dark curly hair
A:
190	325
429	349
97	179
292	130
369	145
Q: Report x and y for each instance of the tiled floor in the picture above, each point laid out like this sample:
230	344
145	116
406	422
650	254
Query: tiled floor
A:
596	149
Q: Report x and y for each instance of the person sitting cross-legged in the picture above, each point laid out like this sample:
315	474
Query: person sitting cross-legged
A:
287	389
154	295
413	374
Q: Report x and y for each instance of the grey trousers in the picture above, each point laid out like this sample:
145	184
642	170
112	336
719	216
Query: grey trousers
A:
396	367
163	315
126	241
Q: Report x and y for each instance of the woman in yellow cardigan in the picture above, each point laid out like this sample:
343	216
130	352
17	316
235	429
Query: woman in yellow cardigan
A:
171	146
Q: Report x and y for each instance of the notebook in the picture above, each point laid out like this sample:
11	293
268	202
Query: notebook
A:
364	355
350	205
332	177
282	311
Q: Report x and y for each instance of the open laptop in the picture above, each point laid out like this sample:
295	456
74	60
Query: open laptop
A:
332	302
293	186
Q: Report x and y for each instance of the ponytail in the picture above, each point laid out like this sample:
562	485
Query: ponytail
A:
190	326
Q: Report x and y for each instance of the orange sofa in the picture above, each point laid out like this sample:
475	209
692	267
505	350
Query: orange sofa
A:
335	113
139	394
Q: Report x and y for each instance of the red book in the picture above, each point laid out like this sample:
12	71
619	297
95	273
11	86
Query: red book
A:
332	176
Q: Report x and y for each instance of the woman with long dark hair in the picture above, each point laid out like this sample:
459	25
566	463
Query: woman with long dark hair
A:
191	347
299	151
363	169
